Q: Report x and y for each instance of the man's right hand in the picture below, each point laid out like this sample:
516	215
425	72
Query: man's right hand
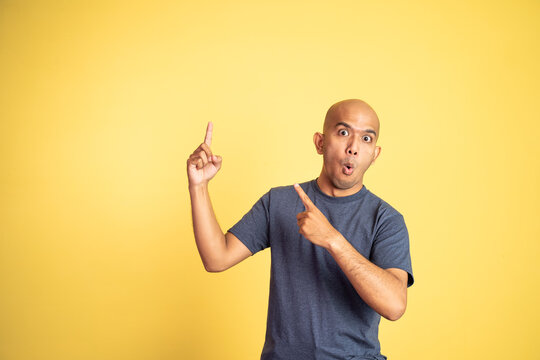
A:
202	165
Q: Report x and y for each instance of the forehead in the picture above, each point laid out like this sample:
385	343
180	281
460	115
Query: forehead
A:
357	117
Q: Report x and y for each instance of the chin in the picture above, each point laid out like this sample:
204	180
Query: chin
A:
344	184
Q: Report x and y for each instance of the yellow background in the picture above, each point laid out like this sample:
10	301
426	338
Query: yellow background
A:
101	103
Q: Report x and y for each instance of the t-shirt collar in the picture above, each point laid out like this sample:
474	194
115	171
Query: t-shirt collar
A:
339	199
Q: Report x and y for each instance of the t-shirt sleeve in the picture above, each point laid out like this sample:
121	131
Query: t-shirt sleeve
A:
391	246
252	229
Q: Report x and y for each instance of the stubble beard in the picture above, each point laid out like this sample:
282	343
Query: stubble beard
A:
343	184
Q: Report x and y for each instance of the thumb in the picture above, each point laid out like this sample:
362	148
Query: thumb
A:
216	159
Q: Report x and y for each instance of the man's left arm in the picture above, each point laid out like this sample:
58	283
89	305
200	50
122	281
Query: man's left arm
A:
384	290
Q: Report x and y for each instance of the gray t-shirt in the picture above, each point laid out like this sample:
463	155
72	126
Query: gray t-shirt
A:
314	312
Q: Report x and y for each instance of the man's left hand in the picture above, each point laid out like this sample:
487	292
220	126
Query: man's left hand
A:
313	224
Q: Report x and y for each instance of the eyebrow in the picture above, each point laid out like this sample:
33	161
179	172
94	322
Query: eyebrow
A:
349	127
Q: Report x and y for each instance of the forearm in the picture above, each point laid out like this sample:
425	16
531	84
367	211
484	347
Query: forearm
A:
379	288
209	237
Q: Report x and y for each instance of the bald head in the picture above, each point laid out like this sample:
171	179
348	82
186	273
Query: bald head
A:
351	109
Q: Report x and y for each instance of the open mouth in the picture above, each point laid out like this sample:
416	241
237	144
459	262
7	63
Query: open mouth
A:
348	169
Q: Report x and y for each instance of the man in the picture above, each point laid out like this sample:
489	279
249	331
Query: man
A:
340	254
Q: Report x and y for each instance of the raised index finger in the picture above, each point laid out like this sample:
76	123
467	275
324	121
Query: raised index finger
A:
303	196
208	137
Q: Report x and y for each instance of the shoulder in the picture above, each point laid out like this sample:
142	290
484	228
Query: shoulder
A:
286	191
383	210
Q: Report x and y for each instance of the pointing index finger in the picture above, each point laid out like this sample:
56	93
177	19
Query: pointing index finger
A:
303	196
208	137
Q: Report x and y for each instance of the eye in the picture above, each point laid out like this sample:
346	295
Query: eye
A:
368	137
343	132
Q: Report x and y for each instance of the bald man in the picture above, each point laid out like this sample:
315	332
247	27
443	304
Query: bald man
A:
340	254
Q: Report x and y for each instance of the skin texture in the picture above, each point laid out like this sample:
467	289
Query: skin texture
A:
347	140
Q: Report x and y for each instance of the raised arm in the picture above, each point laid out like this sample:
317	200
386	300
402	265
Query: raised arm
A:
218	251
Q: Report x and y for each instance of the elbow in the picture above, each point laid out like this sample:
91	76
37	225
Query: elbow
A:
394	316
396	312
213	268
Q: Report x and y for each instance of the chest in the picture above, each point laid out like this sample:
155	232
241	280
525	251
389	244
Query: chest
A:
356	224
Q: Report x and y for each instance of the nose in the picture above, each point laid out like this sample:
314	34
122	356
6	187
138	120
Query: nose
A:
352	147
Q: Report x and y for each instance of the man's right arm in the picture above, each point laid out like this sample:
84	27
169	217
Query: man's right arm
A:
218	251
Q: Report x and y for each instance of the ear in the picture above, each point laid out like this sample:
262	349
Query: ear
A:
376	154
318	140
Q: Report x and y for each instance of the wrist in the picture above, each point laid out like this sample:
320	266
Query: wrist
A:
335	243
198	187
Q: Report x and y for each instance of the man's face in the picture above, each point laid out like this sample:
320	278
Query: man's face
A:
348	149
